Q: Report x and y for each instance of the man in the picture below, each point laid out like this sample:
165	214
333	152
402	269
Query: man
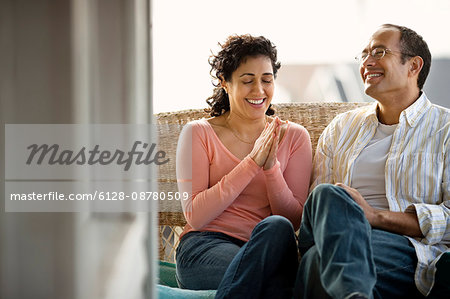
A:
379	226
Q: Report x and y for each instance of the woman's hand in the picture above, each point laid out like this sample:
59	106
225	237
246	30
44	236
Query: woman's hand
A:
272	156
266	146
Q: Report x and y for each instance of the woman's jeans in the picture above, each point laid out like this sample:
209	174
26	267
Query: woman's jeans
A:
264	267
342	255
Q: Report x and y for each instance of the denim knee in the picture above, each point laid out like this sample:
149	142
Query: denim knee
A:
276	224
327	195
324	191
275	229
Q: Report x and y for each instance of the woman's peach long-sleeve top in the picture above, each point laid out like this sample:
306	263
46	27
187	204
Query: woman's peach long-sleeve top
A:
230	195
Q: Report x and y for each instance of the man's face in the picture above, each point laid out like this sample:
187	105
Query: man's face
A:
386	76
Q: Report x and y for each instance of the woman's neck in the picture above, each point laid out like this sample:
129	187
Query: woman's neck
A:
245	128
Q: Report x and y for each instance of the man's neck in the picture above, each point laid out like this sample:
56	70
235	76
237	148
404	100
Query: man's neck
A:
389	108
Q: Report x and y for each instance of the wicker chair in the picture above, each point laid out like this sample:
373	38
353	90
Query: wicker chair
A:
313	116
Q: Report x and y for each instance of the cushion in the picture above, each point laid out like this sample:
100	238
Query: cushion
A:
167	274
165	292
167	287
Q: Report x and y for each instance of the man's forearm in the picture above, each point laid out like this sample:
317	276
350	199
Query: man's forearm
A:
397	222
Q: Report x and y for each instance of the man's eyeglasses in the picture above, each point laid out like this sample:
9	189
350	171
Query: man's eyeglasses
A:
377	53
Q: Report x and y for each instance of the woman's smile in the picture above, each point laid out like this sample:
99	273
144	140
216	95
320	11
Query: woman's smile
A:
256	102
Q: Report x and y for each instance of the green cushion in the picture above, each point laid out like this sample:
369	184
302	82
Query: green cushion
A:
168	288
165	292
167	274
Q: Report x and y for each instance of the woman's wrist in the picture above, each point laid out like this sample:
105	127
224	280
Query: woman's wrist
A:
269	166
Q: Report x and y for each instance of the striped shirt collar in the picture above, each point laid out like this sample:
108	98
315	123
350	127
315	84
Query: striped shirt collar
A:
412	114
371	113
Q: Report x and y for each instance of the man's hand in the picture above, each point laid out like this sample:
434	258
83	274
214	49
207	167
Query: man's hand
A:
369	212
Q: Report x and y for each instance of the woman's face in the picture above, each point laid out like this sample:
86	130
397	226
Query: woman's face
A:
250	89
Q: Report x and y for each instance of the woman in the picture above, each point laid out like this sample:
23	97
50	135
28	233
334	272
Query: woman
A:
240	167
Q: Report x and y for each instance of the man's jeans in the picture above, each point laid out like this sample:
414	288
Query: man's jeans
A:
264	267
342	255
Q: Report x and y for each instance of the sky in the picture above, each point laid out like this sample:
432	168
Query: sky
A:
304	32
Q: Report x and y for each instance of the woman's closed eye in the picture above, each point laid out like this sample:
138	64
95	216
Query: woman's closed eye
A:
263	81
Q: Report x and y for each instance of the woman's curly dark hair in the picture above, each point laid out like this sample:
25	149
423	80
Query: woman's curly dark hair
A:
234	51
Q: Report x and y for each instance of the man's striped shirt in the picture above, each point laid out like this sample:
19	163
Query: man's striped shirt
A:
417	171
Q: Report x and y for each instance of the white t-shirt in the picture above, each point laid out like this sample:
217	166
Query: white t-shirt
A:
368	172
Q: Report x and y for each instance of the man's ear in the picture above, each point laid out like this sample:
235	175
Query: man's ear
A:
416	64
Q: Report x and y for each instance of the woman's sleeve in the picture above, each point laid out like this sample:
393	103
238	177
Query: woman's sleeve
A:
205	203
287	191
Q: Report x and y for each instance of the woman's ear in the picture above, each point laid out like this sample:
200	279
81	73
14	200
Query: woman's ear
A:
223	84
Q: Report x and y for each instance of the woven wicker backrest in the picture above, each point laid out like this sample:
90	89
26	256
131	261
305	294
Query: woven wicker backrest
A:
313	116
